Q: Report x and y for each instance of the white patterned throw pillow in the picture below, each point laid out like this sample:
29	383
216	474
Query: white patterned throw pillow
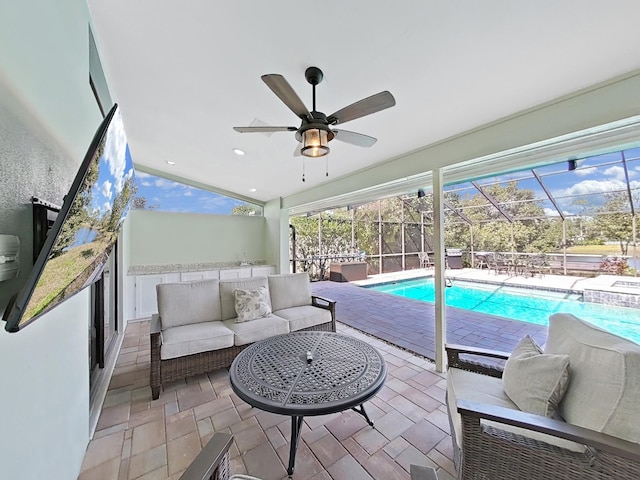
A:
252	304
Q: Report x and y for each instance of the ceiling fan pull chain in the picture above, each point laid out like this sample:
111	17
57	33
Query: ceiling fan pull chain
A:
303	162
326	165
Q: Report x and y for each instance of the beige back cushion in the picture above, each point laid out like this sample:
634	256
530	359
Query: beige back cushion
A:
289	290
188	303
604	390
228	298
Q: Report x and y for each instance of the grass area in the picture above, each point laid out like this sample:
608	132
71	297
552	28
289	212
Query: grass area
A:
594	249
74	266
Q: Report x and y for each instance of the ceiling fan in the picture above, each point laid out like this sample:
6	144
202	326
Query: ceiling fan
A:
315	132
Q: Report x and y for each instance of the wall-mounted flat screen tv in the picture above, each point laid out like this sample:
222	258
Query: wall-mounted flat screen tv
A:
79	242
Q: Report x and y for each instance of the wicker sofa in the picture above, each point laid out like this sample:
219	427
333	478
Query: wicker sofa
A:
595	432
196	329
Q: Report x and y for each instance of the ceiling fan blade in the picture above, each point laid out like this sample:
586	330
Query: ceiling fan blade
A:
296	152
264	129
354	138
366	106
283	90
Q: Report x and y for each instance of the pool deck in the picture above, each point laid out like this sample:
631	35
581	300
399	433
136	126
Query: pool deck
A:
410	324
547	282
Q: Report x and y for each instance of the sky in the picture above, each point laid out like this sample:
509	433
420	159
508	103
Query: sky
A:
589	182
169	196
593	177
115	167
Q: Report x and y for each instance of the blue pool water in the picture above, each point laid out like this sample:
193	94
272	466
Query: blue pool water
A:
527	305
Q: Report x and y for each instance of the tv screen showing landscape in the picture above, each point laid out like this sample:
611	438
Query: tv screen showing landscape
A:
79	243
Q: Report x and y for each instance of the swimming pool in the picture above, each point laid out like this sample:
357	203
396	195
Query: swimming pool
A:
527	305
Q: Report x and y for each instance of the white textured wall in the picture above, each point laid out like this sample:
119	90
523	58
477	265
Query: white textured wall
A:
159	238
44	406
47	118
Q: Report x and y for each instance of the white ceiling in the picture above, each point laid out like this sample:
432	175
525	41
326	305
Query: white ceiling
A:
185	73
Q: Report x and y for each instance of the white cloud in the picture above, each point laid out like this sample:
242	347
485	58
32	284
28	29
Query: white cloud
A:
585	171
188	193
143	175
616	172
145	183
550	212
164	183
115	151
106	189
106	207
593	186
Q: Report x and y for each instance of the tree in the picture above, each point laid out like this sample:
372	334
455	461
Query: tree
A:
79	214
613	222
113	220
246	209
141	203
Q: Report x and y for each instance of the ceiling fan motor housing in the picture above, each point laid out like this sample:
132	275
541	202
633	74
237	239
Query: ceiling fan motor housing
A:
319	121
313	75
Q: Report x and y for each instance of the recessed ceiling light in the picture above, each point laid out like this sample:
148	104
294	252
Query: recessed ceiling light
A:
252	189
169	162
237	151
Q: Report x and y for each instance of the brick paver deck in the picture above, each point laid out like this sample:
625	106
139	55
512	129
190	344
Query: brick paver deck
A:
410	324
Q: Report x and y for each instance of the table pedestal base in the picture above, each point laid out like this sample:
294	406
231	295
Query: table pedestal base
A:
296	427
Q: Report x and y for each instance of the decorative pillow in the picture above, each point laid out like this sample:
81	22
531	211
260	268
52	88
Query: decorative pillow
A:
535	381
252	304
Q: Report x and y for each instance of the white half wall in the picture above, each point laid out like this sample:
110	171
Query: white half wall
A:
277	236
162	238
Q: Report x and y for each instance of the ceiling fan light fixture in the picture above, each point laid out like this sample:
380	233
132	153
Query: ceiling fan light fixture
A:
315	143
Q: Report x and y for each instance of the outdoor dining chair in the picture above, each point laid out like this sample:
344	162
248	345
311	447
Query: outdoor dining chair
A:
425	260
497	262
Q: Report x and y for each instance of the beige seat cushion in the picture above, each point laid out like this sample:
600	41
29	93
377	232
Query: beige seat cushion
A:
227	295
534	381
195	338
258	329
188	303
475	387
289	290
304	317
604	393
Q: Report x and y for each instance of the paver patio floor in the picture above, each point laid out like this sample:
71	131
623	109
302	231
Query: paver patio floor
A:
141	438
144	439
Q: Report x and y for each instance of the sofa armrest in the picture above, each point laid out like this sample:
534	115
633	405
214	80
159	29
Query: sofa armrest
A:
213	460
156	325
537	423
454	359
156	342
327	304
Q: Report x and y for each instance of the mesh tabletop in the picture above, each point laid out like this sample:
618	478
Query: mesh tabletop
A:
274	374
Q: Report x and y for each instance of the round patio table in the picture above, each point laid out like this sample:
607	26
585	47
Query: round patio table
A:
307	373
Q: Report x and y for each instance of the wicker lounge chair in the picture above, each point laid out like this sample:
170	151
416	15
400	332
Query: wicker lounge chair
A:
600	439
